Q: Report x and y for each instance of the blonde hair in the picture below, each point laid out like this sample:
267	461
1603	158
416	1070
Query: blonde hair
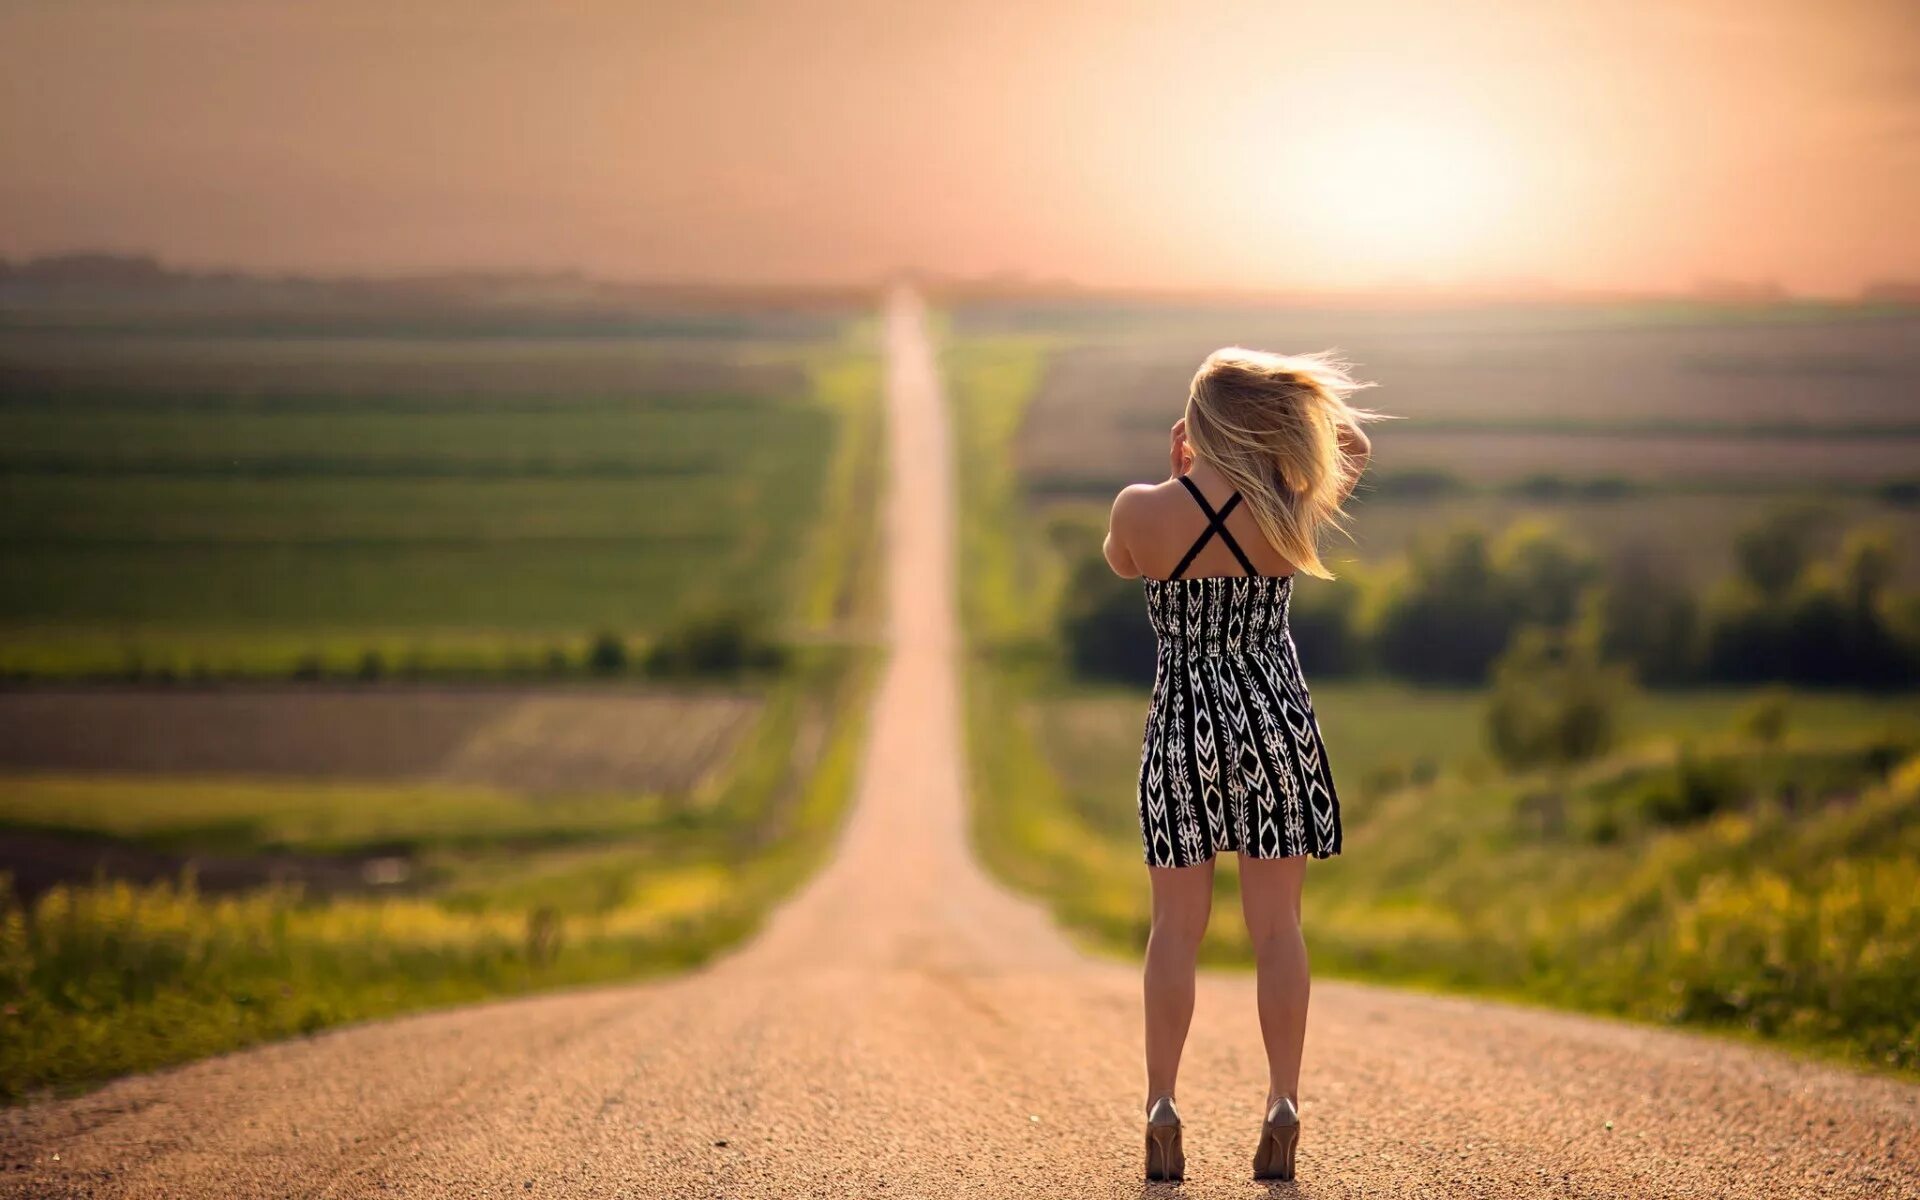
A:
1271	424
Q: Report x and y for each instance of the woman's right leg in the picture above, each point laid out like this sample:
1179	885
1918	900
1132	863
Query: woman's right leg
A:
1270	894
1182	901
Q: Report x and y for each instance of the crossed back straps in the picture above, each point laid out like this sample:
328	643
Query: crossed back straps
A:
1216	523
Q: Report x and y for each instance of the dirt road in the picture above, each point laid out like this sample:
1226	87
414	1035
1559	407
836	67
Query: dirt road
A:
906	1029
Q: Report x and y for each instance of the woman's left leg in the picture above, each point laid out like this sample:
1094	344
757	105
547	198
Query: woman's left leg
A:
1270	895
1182	901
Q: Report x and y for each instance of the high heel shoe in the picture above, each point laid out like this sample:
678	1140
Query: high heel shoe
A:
1165	1158
1278	1137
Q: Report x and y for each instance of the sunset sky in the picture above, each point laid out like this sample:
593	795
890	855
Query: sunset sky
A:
1585	143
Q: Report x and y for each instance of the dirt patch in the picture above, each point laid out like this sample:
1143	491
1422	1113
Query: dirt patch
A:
37	862
524	740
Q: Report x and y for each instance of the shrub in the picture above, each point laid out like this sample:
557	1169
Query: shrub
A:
721	642
1695	787
607	655
1554	702
1764	718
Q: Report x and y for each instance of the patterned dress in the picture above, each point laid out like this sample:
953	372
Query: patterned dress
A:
1232	758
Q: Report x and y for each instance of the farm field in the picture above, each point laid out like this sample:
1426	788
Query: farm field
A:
178	902
1695	873
540	741
212	504
1655	427
332	648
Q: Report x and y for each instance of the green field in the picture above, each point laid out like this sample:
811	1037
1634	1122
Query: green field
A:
214	504
330	653
1696	873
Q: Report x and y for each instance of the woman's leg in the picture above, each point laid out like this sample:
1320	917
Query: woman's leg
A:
1182	900
1270	894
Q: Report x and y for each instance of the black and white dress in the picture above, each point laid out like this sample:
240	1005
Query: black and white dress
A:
1233	759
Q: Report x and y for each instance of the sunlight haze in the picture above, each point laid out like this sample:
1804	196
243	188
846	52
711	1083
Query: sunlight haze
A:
1587	145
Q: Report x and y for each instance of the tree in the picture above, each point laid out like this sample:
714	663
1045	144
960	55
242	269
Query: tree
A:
1865	571
1103	624
1772	553
1838	624
1544	572
723	641
1448	616
1649	618
1325	625
608	654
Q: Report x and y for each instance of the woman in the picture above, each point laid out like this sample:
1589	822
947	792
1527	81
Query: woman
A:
1267	453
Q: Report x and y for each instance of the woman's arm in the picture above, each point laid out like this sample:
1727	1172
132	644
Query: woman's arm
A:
1119	519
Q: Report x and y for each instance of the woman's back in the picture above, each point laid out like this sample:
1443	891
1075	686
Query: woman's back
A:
1165	521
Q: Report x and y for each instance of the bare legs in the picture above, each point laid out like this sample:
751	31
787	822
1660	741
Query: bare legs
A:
1182	901
1270	896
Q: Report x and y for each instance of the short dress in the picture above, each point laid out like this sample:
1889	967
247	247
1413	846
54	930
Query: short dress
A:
1232	759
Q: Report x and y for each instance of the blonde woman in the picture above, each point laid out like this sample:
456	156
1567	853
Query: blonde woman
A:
1265	457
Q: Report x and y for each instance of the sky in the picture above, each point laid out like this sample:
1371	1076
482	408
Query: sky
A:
1610	144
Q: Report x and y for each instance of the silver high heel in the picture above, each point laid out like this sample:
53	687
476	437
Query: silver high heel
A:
1165	1158
1278	1138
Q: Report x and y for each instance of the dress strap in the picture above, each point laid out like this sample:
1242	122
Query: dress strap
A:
1216	523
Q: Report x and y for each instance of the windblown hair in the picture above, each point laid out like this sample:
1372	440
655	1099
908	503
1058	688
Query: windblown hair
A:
1271	424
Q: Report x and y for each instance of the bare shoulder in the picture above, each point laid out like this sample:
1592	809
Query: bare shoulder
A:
1124	524
1133	502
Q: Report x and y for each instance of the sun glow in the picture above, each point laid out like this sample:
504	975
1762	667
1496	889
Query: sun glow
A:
1402	195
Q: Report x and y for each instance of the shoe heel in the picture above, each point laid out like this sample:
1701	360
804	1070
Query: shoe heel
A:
1165	1159
1279	1137
1286	1138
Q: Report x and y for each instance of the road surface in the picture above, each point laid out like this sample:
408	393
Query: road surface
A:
904	1028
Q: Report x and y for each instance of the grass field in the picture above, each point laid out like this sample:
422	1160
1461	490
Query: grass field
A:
1783	908
1383	733
377	758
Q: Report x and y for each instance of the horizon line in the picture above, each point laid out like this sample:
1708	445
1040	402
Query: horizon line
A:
997	283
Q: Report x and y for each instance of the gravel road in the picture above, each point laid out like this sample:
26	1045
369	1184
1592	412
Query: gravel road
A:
904	1028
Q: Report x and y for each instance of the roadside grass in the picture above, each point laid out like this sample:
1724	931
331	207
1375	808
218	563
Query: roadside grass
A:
102	979
236	817
1792	916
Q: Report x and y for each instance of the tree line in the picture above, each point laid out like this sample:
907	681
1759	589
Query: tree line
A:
1460	598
